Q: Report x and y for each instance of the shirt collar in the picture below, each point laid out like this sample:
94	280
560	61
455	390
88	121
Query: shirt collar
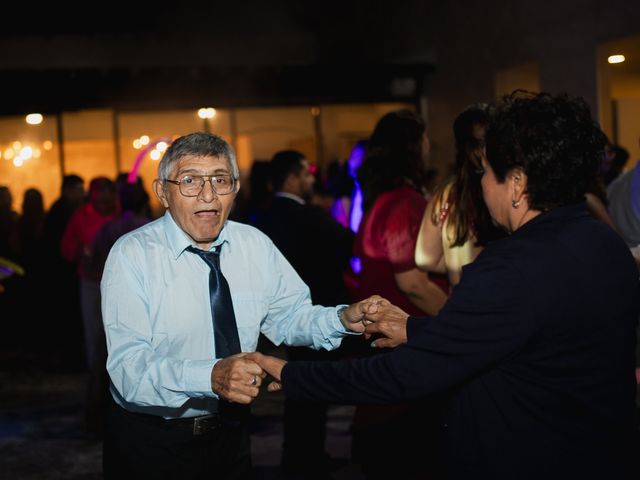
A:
291	196
178	240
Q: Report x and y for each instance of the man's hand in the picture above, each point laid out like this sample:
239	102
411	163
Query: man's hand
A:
271	365
353	316
389	321
237	378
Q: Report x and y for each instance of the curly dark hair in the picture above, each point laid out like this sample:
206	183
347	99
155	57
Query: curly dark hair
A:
393	157
553	139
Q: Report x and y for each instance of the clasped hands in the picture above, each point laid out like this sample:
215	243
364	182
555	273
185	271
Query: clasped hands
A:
238	378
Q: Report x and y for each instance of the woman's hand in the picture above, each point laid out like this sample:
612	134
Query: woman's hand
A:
272	365
390	322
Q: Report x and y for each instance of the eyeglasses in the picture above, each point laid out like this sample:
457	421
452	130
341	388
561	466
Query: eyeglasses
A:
192	185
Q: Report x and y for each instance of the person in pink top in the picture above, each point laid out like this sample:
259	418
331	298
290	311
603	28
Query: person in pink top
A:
101	208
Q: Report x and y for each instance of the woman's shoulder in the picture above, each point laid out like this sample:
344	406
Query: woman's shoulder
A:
400	205
401	197
442	203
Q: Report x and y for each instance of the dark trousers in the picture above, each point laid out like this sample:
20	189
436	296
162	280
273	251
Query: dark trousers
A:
304	422
144	446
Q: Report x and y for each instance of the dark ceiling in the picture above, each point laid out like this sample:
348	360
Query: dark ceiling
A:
53	90
223	53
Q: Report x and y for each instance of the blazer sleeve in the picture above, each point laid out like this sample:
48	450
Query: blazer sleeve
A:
487	318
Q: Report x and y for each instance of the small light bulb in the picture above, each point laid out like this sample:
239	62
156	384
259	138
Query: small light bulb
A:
616	59
34	118
26	152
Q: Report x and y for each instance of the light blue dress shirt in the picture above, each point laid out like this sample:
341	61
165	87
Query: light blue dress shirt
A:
157	315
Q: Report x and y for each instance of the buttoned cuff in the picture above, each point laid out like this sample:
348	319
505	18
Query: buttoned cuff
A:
339	327
197	378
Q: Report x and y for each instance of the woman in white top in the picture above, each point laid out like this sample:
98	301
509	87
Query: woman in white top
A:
456	223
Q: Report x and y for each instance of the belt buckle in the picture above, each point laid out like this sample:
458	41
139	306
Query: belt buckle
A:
204	424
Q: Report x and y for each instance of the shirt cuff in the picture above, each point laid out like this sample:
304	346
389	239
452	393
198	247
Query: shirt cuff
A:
197	378
339	325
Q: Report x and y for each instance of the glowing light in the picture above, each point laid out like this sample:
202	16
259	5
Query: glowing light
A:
34	118
162	146
9	153
155	154
17	145
207	112
356	264
133	174
355	160
137	144
18	161
144	139
47	145
616	59
26	152
37	153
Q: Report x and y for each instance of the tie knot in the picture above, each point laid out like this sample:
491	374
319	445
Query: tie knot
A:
211	258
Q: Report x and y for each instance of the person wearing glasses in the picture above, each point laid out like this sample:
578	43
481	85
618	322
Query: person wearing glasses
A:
182	298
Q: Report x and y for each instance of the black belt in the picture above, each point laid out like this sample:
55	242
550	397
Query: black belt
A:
200	425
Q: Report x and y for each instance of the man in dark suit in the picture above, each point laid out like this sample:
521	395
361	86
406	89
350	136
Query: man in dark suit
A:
318	248
536	344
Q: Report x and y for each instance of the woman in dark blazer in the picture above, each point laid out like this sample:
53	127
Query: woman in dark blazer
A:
536	344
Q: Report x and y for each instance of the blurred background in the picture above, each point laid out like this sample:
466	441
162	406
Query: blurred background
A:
100	89
313	76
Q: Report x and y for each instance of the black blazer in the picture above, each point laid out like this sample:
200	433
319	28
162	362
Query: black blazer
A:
536	346
315	244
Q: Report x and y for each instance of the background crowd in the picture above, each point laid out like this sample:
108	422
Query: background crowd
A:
415	232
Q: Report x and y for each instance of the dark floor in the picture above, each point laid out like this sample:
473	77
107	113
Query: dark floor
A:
42	435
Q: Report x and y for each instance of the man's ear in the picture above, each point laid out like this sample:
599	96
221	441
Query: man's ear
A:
161	193
237	185
290	183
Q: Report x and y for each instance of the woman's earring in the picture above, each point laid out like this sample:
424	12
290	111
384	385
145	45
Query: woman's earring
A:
515	203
